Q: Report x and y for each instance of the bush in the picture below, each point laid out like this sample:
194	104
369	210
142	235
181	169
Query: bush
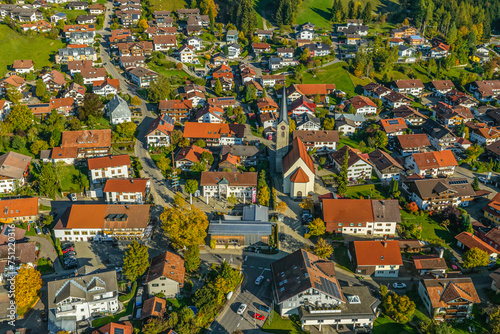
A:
213	244
129	295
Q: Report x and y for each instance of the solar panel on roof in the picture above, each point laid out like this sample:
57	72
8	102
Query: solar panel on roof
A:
119	331
158	307
393	122
458	182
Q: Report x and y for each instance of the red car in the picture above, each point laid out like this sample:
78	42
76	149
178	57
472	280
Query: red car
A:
70	249
259	316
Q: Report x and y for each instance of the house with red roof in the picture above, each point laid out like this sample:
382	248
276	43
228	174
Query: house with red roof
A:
298	171
110	167
434	163
123	191
302	105
381	258
359	165
23	66
189	155
165	274
54	80
178	110
158	134
362	105
466	240
393	126
106	87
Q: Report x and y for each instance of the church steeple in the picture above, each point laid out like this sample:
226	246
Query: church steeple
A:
282	134
284	109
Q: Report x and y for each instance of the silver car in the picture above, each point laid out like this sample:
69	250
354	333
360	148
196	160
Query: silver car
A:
241	309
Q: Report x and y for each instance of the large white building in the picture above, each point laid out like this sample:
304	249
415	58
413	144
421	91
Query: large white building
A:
158	134
118	111
436	163
123	191
380	258
305	284
227	184
298	171
109	167
359	165
80	298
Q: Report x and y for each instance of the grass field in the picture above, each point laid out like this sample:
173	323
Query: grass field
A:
71	14
169	72
337	74
318	11
66	176
168	4
385	325
365	191
282	325
16	46
431	230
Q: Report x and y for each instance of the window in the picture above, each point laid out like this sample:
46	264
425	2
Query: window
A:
76	233
155	285
67	232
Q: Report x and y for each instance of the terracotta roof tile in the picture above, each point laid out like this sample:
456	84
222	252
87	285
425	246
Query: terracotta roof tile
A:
298	151
436	159
377	253
18	207
471	241
109	161
299	176
190	153
168	265
234	178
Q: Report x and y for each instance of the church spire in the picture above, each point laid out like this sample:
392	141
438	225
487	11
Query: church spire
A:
284	110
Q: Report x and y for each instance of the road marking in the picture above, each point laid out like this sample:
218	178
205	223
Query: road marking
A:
261	267
238	325
252	267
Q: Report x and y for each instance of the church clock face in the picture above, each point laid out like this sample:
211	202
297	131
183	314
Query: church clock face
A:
283	127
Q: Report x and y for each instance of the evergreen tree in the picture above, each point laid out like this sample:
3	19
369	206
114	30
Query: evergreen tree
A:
351	7
218	87
41	89
366	16
245	17
192	259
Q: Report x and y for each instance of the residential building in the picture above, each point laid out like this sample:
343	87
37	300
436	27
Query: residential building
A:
118	111
159	131
12	81
178	110
142	77
296	291
466	240
130	62
106	87
164	42
386	167
441	87
458	98
485	90
210	114
321	141
228	163
136	48
231	36
361	105
441	137
78	298
413	143
14	168
85	19
87	222
215	134
223	102
448	298
430	264
410	115
115	328
195	42
432	164
307	122
266	105
359	165
187	156
227	184
495	281
75	52
264	34
486	135
75	91
165	275
23	66
317	49
393	126
276	63
54	80
298	171
184	13
377	258
233	51
90	75
437	194
302	105
5	107
395	100
361	216
375	90
452	116
413	87
153	307
295	91
272	80
83	144
186	53
259	48
18	210
76	66
248	154
123	191
110	167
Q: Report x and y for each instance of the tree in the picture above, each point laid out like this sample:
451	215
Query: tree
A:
47	220
399	308
317	227
164	163
28	283
384	290
366	16
351	9
412	207
135	261
381	139
475	257
38	146
48	182
184	224
126	130
495	321
475	184
191	186
207	158
323	249
218	87
245	17
192	259
241	119
200	143
13	94
328	123
307	203
135	100
41	89
263	196
78	79
155	325
143	24
281	207
292	126
305	55
92	107
20	118
159	89
395	188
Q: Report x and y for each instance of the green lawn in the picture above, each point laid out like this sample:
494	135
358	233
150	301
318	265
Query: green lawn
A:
106	320
66	176
338	75
385	325
342	258
167	4
14	46
365	191
284	325
431	230
72	14
169	72
420	72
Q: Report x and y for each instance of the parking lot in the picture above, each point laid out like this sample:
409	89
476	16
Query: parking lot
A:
100	255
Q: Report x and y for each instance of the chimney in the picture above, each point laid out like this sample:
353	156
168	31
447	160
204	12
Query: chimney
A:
384	243
111	157
441	253
132	180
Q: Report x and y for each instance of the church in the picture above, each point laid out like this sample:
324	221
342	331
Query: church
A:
294	164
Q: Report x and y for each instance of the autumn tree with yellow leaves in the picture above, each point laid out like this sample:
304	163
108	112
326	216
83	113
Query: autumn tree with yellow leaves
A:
28	283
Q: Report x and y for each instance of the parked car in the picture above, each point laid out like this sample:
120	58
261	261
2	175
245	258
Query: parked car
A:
69	249
66	245
398	285
73	197
71	266
259	280
45	231
43	315
258	316
38	230
264	308
241	309
68	254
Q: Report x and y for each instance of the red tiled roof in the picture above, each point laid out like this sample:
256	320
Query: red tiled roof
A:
18	207
299	176
471	241
190	153
175	104
393	124
435	159
22	64
298	151
169	265
377	253
109	161
135	185
86	138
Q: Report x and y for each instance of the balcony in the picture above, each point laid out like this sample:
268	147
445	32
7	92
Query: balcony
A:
321	308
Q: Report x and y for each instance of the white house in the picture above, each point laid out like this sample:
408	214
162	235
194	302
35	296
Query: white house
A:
362	105
80	298
432	164
186	54
158	134
109	167
359	165
123	191
321	141
195	42
106	87
14	169
377	258
385	166
118	111
227	184
233	50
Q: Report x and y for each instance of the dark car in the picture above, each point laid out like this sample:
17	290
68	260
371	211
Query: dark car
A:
43	315
45	231
70	266
67	245
68	254
264	308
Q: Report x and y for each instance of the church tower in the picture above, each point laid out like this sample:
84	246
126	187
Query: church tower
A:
282	134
